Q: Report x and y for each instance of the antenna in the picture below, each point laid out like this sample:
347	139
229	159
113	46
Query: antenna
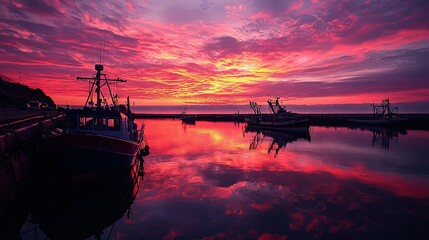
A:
103	50
102	47
99	53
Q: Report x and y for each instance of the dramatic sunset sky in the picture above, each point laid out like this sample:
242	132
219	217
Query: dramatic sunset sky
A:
218	52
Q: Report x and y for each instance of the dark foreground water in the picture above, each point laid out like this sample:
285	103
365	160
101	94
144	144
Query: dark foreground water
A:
214	180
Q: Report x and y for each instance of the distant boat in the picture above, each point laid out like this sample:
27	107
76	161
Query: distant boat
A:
188	118
100	138
280	119
383	114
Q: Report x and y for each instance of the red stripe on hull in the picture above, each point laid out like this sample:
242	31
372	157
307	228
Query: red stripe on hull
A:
96	142
82	156
287	125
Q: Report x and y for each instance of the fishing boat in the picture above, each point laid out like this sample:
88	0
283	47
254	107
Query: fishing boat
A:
187	118
101	138
383	114
279	119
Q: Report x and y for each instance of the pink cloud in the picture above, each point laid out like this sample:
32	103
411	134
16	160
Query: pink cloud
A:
206	50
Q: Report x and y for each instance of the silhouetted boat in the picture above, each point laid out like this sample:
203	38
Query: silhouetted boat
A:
280	119
236	117
383	114
188	118
385	121
99	138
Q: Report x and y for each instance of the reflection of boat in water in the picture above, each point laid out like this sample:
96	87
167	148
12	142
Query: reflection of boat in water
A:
76	212
383	135
188	118
383	114
280	119
279	139
100	138
237	117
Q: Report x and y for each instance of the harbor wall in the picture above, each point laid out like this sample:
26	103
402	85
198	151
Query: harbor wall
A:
414	121
12	139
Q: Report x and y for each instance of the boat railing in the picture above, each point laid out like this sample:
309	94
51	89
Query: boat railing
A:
140	133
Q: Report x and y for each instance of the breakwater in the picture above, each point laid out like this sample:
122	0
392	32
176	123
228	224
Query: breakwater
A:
414	121
20	137
26	131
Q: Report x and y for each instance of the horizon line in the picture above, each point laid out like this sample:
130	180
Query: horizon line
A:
356	108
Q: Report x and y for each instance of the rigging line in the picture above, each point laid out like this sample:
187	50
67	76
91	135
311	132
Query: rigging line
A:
111	95
90	91
90	95
103	98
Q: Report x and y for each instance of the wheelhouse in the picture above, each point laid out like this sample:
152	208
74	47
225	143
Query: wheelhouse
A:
107	122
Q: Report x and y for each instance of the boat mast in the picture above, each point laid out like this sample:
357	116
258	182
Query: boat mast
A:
99	68
384	110
270	104
97	82
275	107
255	107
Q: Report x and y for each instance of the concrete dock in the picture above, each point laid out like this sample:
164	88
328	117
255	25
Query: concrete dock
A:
19	127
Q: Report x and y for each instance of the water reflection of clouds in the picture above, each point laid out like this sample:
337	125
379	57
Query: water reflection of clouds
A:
286	203
320	189
334	154
313	200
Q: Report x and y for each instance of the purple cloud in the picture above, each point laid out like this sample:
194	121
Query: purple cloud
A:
223	47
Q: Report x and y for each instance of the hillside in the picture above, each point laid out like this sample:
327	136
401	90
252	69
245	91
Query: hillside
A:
16	95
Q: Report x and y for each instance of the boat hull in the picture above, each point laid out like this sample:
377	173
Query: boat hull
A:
188	119
83	156
388	121
295	124
286	136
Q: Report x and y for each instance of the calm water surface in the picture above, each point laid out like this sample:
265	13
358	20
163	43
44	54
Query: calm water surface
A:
215	180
